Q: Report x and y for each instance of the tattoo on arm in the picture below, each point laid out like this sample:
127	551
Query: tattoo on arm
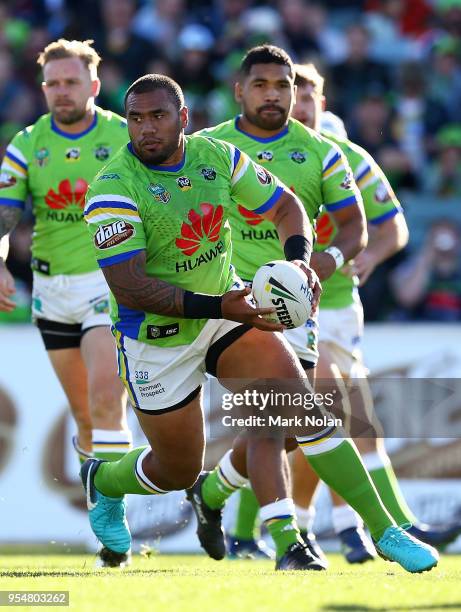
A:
132	287
9	217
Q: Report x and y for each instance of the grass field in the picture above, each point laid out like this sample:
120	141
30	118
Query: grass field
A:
196	583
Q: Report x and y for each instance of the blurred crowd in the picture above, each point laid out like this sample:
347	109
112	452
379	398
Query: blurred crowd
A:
393	73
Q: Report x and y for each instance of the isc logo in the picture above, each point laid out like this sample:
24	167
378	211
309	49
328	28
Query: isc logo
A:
113	234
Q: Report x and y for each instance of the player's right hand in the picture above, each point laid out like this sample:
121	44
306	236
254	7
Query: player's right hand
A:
235	307
7	289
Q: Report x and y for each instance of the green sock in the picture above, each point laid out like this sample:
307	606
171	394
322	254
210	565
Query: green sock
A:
387	485
116	478
341	468
247	512
284	532
215	491
115	456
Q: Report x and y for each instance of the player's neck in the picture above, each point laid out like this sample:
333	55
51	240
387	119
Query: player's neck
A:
250	128
78	126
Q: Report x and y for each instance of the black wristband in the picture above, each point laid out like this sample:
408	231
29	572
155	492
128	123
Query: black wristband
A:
200	306
297	247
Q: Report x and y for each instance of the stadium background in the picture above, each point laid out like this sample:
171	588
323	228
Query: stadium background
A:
393	73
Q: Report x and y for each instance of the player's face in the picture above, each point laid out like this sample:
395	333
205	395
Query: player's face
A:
155	125
69	89
308	106
266	95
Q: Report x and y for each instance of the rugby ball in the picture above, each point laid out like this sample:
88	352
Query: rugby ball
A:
283	285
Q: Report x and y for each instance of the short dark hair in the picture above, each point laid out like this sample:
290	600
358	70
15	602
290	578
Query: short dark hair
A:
266	54
152	82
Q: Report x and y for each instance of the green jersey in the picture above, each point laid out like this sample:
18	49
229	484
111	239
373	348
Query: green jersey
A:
313	167
180	216
55	168
380	203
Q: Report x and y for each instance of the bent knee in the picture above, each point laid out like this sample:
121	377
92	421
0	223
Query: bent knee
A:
183	478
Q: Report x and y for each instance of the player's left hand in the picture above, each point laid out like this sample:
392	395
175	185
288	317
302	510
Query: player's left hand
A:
312	281
363	265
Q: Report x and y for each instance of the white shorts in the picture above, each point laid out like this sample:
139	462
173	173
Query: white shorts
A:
342	330
71	299
304	341
159	379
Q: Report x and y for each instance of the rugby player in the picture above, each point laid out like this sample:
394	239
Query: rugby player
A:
52	162
178	313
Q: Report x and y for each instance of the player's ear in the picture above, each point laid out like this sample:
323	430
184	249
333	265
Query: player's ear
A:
238	92
95	87
184	116
323	102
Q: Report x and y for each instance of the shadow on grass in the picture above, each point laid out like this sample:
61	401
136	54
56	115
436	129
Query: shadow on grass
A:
90	571
357	608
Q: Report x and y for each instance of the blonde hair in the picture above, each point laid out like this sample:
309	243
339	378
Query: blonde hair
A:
308	74
62	49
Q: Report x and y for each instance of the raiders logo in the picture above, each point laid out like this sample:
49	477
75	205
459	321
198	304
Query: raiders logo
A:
113	234
298	157
102	153
265	156
209	174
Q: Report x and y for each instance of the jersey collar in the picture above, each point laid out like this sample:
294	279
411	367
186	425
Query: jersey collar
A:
175	168
281	134
55	128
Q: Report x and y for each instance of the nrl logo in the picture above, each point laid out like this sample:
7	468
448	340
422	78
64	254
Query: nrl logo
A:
265	156
184	183
159	192
347	182
73	154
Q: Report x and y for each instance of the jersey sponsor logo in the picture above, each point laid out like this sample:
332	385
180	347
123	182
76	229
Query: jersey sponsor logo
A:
7	180
265	156
159	192
298	157
42	157
382	194
252	234
73	154
109	177
102	152
202	228
162	331
250	217
67	195
184	183
113	234
209	174
347	182
263	176
324	229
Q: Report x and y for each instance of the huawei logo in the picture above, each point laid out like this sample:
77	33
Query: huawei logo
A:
67	194
202	228
251	218
324	229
